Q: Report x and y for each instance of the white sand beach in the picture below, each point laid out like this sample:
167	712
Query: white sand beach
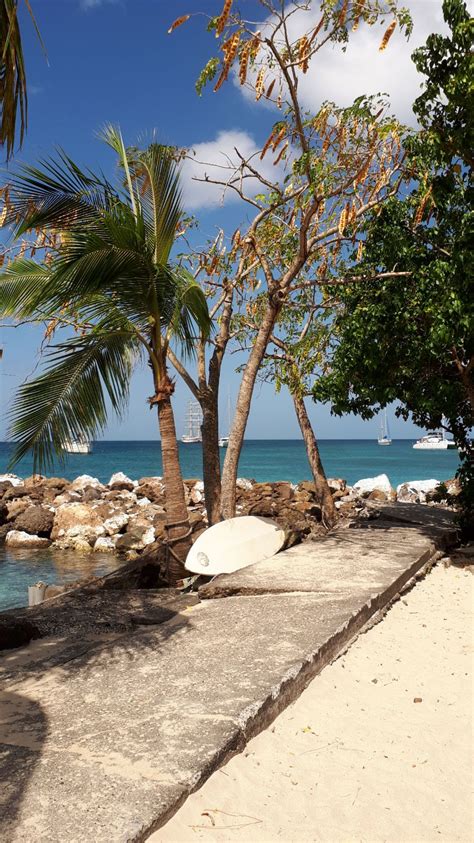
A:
379	747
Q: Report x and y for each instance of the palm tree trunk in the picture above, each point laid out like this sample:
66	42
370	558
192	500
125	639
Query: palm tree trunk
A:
323	492
242	410
177	516
211	464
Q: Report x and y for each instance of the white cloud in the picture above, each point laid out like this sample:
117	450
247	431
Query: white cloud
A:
342	76
92	4
217	160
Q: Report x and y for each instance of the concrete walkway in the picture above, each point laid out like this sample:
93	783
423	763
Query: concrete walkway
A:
102	740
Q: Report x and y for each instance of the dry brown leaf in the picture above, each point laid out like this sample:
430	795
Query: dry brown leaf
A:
178	22
387	35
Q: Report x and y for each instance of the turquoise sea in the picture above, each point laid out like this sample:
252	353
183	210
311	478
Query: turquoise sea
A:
261	460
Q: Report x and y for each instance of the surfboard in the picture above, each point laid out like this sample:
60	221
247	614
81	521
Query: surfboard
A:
234	544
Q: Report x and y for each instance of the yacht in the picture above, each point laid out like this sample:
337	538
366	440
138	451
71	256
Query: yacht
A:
81	445
193	424
434	441
224	440
384	438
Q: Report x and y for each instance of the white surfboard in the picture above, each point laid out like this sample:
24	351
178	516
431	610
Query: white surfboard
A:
234	544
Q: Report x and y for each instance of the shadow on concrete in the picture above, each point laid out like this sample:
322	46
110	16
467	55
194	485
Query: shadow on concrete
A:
20	753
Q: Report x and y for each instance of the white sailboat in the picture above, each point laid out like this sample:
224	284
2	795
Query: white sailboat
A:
81	445
384	438
224	440
193	424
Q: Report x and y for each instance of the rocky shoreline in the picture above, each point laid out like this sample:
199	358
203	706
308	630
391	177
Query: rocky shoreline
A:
126	516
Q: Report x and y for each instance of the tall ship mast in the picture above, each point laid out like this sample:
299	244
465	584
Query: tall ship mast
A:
193	424
384	437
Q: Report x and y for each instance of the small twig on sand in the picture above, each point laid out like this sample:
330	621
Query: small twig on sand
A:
208	813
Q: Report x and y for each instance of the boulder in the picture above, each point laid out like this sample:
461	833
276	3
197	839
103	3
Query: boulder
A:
71	515
116	523
17	538
368	484
12	479
153	490
34	480
244	484
84	480
336	484
16	507
16	492
407	495
91	493
143	502
66	497
4	486
284	491
105	544
3	512
36	520
196	496
378	495
416	491
136	539
120	481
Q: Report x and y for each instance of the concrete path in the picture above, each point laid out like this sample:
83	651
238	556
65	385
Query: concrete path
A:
102	740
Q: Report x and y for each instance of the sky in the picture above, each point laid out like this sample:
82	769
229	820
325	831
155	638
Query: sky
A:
112	61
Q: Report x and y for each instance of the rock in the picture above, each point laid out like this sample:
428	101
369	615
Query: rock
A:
84	480
155	479
284	490
303	495
420	485
368	484
136	539
66	497
71	515
91	493
17	538
143	502
105	544
378	495
120	481
3	512
336	484
12	479
453	486
116	523
16	492
266	508
84	531
152	490
34	480
199	486
16	507
36	520
196	495
244	484
407	495
308	487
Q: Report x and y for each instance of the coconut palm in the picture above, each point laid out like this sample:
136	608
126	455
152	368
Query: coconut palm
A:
110	276
13	93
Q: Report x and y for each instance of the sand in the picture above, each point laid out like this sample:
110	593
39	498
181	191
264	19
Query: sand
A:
379	747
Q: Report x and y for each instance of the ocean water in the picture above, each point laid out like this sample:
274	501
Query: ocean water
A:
261	460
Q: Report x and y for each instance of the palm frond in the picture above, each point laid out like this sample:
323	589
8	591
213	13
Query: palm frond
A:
190	316
13	94
24	287
57	194
68	400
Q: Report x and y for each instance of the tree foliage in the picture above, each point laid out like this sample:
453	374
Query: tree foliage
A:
411	338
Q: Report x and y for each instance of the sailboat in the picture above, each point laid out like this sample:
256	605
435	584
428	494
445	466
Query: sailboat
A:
224	440
384	438
193	424
81	445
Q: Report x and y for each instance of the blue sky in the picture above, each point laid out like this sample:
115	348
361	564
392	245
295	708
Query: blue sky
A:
113	61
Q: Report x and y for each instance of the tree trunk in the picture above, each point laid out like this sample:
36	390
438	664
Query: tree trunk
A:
177	516
211	465
323	492
242	410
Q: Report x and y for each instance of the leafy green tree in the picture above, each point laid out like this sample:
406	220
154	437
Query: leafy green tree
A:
109	275
411	337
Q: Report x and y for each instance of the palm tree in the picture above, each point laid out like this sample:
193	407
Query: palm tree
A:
110	276
13	93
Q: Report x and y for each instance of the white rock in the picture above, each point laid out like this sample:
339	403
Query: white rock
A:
85	480
148	536
115	523
120	477
243	483
14	480
85	531
420	485
196	495
17	538
104	544
199	486
143	502
368	484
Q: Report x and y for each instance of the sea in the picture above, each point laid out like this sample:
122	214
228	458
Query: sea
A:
261	460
